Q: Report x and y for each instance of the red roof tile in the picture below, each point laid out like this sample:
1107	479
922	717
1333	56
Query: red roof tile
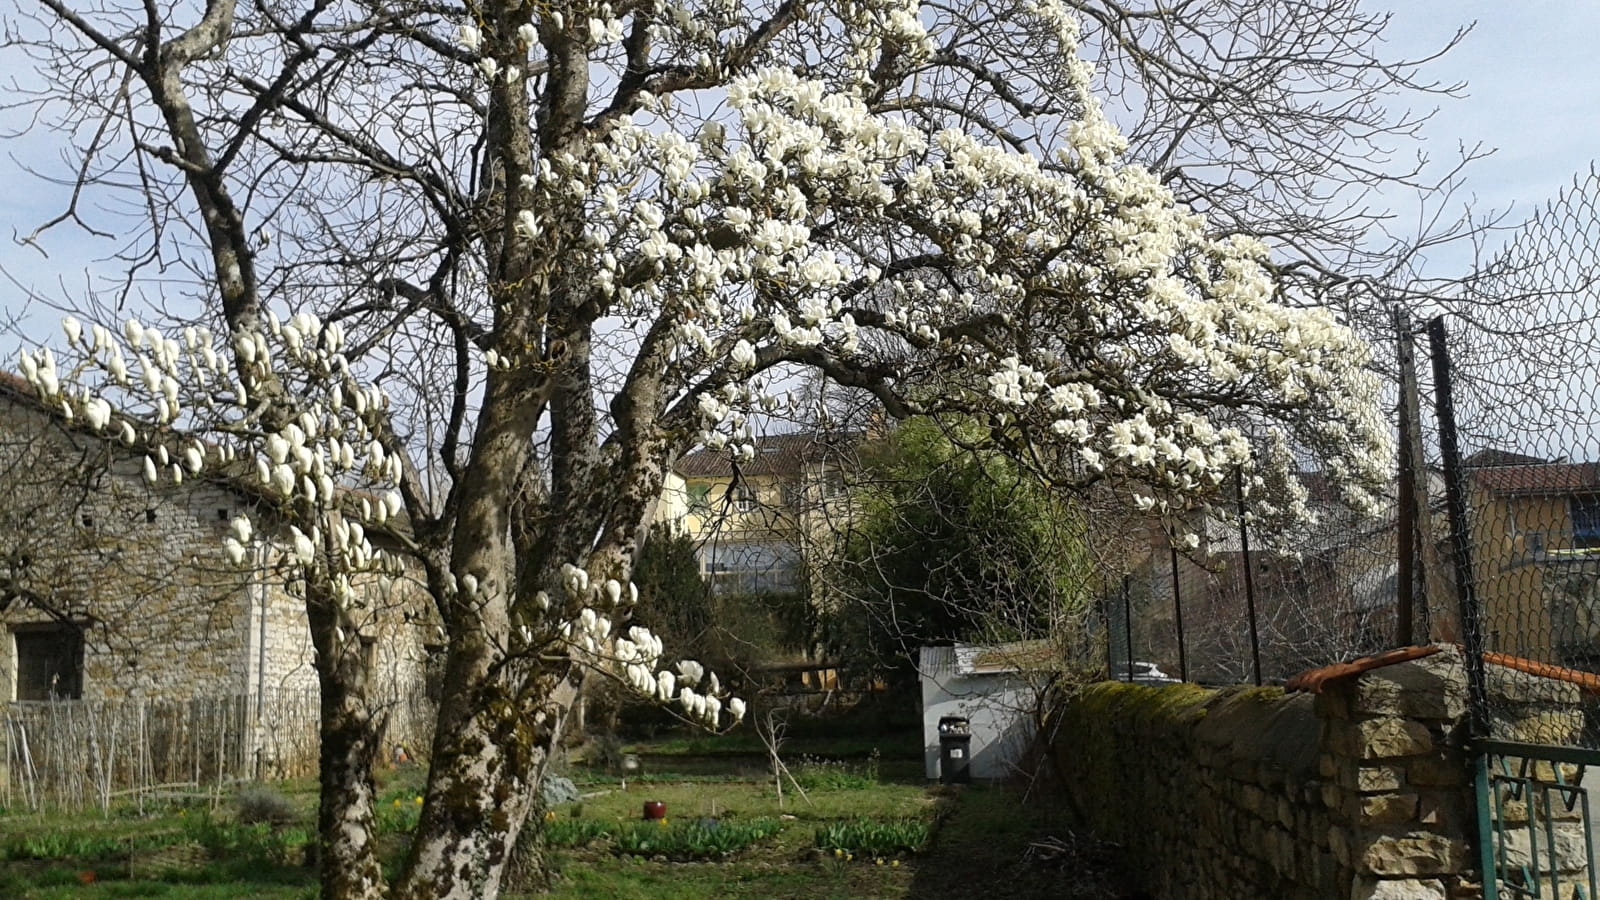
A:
1545	478
776	454
1313	681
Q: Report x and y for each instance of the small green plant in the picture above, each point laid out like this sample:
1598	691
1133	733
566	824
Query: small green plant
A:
62	845
248	844
397	813
574	832
814	774
868	837
704	839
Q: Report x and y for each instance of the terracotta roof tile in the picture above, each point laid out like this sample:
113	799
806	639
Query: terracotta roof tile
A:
1313	681
776	454
1544	478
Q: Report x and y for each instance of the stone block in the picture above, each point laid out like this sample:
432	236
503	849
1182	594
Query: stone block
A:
1431	688
1437	771
1391	736
1339	845
1388	809
1333	702
1566	855
1507	686
1543	725
1380	777
1442	810
1333	797
1367	888
1286	816
1414	853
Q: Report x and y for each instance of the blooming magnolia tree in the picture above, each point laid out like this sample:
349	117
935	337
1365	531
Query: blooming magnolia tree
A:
527	255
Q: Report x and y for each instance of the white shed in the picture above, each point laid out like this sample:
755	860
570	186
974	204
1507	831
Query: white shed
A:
995	688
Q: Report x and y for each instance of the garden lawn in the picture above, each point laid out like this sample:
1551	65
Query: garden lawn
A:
851	835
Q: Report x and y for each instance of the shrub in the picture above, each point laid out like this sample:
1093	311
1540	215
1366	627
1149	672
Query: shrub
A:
258	803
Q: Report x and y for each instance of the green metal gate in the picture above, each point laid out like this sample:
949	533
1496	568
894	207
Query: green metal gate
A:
1534	829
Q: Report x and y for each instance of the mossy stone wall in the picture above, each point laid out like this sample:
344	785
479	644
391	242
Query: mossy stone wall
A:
1360	792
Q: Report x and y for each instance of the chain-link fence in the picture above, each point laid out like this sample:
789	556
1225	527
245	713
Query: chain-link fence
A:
1516	373
1518	346
1245	607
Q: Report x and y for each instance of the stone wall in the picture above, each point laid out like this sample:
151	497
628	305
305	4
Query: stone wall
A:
1360	792
165	617
139	567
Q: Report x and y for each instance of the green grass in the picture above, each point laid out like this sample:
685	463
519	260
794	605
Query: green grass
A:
726	836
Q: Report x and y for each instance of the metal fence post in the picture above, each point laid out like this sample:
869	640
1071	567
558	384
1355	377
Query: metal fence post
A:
1127	621
1249	579
1460	534
1471	622
1177	617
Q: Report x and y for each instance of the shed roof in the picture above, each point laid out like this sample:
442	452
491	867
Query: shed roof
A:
964	660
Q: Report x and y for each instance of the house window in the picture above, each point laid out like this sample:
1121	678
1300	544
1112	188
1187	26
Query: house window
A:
751	568
1585	521
699	497
49	661
744	497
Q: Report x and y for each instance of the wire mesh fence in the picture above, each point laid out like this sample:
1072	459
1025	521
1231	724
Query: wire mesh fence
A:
1518	378
1239	609
1499	404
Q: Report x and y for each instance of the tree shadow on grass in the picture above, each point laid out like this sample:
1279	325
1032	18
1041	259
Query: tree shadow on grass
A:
991	844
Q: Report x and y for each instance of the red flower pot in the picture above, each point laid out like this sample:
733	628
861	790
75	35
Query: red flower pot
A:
655	809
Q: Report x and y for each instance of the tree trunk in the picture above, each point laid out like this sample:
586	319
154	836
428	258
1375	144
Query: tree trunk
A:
489	756
528	871
350	736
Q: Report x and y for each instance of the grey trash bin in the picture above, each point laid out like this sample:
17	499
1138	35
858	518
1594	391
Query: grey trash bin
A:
955	750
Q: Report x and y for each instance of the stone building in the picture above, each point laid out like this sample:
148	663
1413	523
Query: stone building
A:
115	590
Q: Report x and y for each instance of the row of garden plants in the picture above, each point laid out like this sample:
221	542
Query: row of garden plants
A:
705	839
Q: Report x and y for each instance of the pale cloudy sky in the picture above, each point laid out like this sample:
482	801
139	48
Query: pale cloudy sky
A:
1533	93
1533	89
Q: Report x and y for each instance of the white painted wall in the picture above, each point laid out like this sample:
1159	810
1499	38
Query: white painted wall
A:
999	707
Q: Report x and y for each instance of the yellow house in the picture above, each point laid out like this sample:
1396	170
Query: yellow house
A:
757	521
1536	555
